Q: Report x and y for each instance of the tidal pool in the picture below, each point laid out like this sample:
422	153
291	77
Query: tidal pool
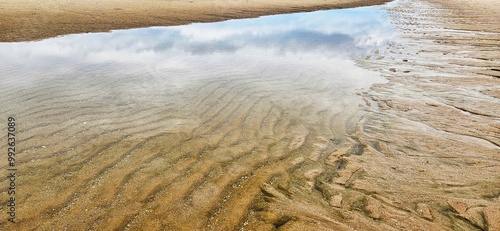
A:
181	123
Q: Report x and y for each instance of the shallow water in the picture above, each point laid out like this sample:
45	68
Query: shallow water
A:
322	43
180	118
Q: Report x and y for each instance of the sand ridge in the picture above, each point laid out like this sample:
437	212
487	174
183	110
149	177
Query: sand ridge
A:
28	20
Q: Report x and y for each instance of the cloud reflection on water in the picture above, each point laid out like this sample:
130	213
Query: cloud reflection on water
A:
323	42
322	32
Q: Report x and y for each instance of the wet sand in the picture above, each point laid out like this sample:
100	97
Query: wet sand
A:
28	20
433	132
421	152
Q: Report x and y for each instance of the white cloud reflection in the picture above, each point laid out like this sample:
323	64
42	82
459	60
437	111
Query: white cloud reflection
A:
348	29
326	37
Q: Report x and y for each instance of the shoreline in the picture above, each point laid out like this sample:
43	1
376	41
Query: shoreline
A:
29	20
432	133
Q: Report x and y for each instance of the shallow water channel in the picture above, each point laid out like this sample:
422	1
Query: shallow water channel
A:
134	124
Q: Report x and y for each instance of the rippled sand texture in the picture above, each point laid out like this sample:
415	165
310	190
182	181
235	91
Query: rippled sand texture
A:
433	132
207	146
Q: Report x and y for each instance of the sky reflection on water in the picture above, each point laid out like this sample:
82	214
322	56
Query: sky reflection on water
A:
323	33
139	63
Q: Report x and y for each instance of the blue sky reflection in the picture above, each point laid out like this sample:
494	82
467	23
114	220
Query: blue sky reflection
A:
166	58
326	32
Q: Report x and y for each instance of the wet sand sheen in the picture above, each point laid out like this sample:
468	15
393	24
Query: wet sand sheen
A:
433	130
188	137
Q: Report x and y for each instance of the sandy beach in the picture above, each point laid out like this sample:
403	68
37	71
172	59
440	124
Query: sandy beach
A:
434	128
28	20
256	146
